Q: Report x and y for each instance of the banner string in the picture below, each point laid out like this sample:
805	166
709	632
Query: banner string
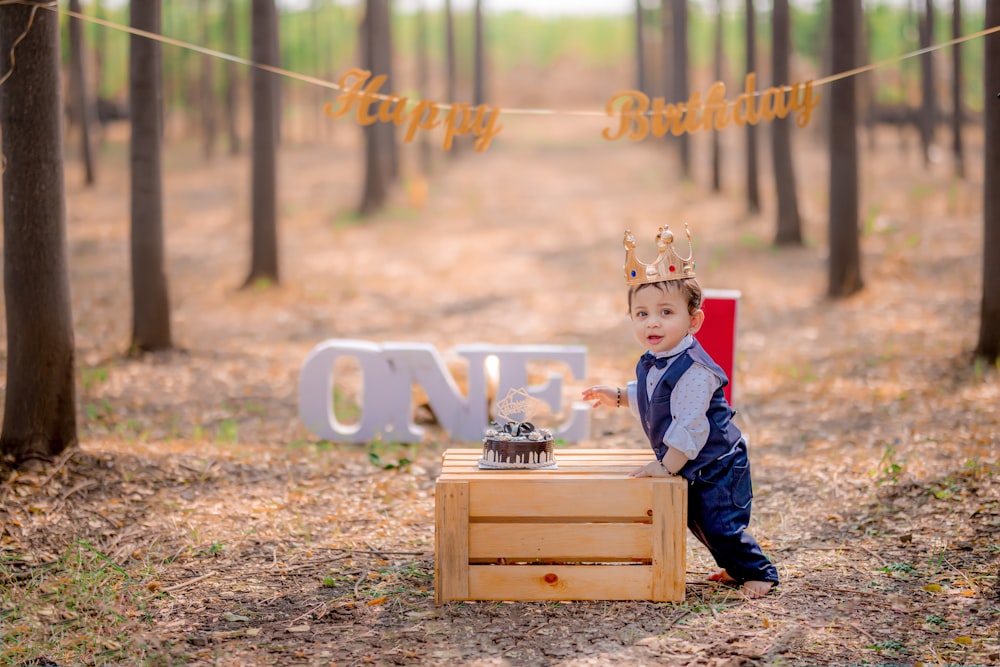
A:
53	6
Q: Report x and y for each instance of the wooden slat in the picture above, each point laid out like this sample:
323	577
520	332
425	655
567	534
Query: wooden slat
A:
669	531
484	475
561	542
584	466
570	464
560	582
612	453
451	541
518	497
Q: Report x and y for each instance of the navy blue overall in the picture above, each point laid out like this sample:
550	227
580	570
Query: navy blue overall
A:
720	490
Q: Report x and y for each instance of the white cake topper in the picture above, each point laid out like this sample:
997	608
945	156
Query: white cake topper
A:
520	407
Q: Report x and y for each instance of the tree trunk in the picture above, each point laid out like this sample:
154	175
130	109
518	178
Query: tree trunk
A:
39	419
451	79
666	53
384	54
277	92
479	57
789	228
957	108
83	101
150	300
988	346
378	167
680	77
423	86
928	106
753	188
207	96
719	75
845	250
640	49
231	86
264	199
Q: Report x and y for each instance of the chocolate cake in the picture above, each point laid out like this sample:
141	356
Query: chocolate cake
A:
517	445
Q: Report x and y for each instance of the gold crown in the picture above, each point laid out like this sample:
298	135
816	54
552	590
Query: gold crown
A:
668	265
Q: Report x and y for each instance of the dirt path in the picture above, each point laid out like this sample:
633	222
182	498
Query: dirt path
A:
236	538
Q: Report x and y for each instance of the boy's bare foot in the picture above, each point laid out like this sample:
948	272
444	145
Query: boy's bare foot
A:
756	589
752	589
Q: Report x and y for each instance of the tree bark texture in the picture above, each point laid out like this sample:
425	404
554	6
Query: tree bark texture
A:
150	300
719	76
264	196
957	78
231	85
479	58
666	53
789	227
753	187
207	96
844	235
680	76
378	152
451	64
84	100
640	48
928	105
39	419
423	86
988	346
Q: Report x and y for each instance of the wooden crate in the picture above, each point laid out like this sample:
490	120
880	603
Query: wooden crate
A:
582	531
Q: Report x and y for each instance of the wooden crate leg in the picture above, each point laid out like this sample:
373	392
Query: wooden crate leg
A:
451	541
669	541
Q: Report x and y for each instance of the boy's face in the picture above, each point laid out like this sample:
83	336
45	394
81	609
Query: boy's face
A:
660	317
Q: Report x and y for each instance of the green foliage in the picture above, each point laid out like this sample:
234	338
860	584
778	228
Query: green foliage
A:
228	431
380	454
81	609
898	567
891	645
92	376
888	469
345	409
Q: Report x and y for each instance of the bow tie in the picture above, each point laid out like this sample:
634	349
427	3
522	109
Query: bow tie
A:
648	360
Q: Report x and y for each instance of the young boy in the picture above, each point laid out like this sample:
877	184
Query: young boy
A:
678	396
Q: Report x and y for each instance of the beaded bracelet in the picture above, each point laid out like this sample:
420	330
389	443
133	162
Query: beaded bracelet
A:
619	389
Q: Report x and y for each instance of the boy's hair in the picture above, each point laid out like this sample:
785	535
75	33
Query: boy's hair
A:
688	287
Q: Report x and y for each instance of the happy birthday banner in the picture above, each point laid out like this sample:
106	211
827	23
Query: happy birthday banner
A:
636	115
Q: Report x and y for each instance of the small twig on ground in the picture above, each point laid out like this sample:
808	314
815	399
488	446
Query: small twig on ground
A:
872	554
783	643
679	618
77	488
321	605
58	465
857	628
313	563
375	552
843	590
357	584
187	584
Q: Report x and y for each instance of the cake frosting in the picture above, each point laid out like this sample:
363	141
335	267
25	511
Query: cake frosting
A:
517	445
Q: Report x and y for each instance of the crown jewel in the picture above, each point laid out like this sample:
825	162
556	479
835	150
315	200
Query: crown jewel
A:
668	265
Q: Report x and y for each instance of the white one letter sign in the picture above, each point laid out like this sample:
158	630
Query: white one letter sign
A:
389	371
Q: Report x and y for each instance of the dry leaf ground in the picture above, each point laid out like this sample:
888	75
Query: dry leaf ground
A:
199	523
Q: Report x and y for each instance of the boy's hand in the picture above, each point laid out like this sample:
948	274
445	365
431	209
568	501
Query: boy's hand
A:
651	469
600	395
